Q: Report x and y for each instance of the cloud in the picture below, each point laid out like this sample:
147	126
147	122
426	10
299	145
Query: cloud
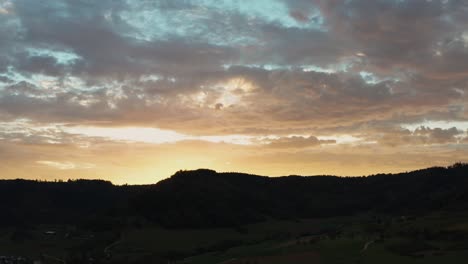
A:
295	97
298	142
422	37
421	136
209	70
65	165
299	16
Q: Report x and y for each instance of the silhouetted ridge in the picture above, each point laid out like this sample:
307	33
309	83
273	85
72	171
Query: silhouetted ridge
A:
205	198
26	201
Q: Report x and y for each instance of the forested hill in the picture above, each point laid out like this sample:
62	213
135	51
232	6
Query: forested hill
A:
205	198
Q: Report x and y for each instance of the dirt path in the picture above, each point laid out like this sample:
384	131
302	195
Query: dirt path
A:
54	258
366	246
107	249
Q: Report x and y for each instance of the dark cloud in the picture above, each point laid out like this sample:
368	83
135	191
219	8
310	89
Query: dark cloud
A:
301	100
421	136
103	44
5	79
305	77
47	65
299	16
425	37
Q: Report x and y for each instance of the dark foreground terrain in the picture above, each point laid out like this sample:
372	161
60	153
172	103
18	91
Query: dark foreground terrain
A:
207	217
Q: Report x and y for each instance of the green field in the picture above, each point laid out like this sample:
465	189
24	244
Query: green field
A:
436	238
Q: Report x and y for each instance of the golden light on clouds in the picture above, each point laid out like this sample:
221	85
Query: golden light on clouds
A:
65	165
151	135
262	90
233	90
144	156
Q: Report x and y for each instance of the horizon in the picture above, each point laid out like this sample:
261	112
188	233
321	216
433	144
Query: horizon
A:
131	91
227	172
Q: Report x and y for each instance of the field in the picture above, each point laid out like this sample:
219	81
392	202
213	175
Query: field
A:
435	238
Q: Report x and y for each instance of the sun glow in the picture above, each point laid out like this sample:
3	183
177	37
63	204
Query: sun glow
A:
152	135
232	91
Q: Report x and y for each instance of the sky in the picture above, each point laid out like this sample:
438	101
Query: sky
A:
132	91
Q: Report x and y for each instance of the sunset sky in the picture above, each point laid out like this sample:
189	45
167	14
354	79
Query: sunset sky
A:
133	90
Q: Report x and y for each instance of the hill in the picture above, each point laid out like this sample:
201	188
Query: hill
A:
205	198
205	217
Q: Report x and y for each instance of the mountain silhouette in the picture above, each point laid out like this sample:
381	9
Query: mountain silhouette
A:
205	198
